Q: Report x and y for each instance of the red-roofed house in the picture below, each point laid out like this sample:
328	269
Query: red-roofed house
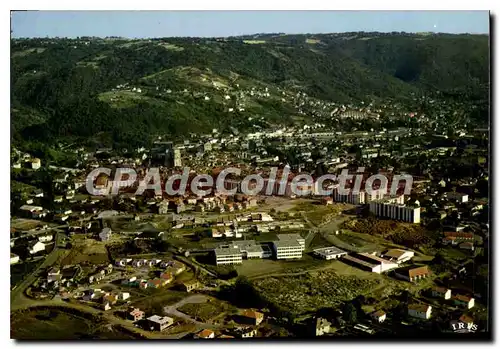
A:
464	300
378	315
205	334
254	317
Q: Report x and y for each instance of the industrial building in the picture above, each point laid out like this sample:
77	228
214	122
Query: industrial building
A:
369	262
399	256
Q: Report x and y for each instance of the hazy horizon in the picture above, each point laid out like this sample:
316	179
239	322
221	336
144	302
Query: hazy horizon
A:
209	24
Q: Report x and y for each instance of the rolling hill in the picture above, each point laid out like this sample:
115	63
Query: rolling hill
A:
131	89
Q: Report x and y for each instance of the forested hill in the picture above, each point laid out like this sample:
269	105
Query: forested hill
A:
88	86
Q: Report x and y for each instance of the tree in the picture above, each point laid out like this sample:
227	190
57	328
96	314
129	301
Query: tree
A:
350	313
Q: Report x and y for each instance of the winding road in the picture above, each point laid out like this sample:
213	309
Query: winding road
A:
196	299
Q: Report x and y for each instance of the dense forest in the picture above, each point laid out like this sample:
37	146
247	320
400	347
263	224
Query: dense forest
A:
61	87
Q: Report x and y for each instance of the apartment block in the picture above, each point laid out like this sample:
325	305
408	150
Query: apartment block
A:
395	211
289	246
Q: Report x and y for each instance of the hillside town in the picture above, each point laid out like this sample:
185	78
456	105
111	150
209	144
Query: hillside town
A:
167	266
325	185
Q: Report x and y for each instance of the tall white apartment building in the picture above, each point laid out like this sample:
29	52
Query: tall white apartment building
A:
289	246
177	158
363	197
350	198
374	196
395	211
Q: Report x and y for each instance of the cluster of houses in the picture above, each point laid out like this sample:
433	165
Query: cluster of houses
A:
28	161
247	327
234	230
190	221
463	240
61	279
248	322
170	270
100	273
105	299
457	299
216	203
34	246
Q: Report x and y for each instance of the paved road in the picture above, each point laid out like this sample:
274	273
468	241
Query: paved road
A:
108	316
17	294
195	265
326	230
172	310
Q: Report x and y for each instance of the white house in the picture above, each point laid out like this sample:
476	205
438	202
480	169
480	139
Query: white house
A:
205	334
54	274
105	234
121	263
422	311
459	197
464	300
399	256
329	253
45	238
36	163
14	258
31	210
137	263
124	296
441	292
35	247
378	316
322	326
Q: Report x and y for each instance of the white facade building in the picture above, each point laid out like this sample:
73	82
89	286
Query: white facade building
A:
421	311
329	253
399	256
228	255
350	198
36	247
14	258
459	197
395	211
45	238
289	246
235	252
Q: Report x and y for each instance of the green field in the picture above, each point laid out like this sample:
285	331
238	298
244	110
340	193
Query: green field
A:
204	311
18	271
312	291
156	299
55	324
261	267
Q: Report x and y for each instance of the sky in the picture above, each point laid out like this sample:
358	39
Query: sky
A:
148	24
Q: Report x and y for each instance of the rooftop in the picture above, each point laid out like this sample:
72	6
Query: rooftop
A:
252	314
395	253
287	243
160	319
329	251
226	251
283	237
419	307
205	333
375	259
